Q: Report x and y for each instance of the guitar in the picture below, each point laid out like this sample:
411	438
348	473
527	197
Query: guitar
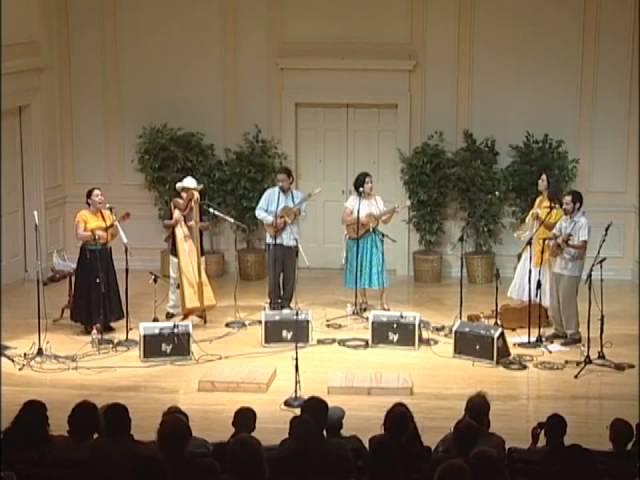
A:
557	249
369	222
288	215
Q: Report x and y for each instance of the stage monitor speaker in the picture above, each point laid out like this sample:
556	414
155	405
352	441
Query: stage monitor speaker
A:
286	326
394	329
165	341
479	342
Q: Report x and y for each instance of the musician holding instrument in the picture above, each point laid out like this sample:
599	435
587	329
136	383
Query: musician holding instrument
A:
279	209
569	241
186	253
364	241
96	295
546	210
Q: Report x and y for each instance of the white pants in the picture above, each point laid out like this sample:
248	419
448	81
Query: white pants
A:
173	302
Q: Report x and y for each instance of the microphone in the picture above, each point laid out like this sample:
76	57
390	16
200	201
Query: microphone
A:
35	217
109	207
219	214
360	191
497	274
280	185
606	229
601	261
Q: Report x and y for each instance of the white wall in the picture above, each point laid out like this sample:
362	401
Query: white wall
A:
96	71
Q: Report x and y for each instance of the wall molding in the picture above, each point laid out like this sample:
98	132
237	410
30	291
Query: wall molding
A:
345	64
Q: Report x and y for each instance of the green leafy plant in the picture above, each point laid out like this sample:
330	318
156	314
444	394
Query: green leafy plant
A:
530	159
477	186
249	169
426	175
165	155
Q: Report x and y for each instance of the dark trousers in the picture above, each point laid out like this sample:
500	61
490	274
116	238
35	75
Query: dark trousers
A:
281	265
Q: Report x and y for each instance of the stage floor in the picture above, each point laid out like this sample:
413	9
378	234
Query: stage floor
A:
441	383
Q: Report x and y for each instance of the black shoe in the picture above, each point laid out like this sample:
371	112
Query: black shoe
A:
571	341
108	328
87	330
554	336
170	315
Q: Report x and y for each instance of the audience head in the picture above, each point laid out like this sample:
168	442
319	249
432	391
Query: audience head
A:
246	459
116	421
484	463
453	470
30	426
397	421
302	431
466	434
620	434
335	419
244	420
477	409
83	421
173	436
555	429
175	410
318	409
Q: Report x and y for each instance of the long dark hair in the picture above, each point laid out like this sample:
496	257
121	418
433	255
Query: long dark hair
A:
554	194
360	180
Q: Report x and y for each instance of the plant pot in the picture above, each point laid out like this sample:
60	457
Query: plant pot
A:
214	262
427	267
480	267
164	262
252	264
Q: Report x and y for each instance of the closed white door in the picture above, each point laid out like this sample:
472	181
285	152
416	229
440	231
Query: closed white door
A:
13	247
334	144
321	144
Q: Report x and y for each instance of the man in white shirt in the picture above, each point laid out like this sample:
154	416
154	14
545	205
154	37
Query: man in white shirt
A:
570	235
282	251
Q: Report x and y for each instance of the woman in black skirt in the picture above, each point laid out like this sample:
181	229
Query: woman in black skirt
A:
96	295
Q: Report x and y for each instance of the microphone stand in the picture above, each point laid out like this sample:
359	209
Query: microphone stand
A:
496	322
355	312
587	360
296	400
529	244
274	283
127	342
237	322
39	353
539	338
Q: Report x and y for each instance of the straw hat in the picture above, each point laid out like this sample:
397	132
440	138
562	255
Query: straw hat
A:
188	183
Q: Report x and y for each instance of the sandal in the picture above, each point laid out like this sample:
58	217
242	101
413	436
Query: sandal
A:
385	307
364	306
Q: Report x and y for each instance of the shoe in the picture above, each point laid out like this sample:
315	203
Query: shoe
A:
170	315
364	306
555	336
385	307
108	328
571	341
87	330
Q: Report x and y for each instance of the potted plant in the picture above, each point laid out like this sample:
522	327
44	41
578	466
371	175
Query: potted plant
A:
477	186
530	159
164	155
425	174
249	170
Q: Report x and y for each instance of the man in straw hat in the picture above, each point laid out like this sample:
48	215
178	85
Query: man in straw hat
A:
178	212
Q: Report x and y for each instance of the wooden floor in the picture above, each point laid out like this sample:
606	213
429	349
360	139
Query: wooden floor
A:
441	383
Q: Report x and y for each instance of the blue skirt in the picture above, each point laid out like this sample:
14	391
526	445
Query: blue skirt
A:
371	271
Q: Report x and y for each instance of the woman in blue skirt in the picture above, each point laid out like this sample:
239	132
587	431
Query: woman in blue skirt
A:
364	262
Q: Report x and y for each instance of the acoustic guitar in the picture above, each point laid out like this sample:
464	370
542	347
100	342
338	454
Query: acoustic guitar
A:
369	222
288	215
557	249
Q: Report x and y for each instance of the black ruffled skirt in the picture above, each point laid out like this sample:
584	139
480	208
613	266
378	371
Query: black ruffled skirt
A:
96	295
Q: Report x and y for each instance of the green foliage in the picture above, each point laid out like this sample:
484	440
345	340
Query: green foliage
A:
249	169
165	155
530	159
477	186
426	178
